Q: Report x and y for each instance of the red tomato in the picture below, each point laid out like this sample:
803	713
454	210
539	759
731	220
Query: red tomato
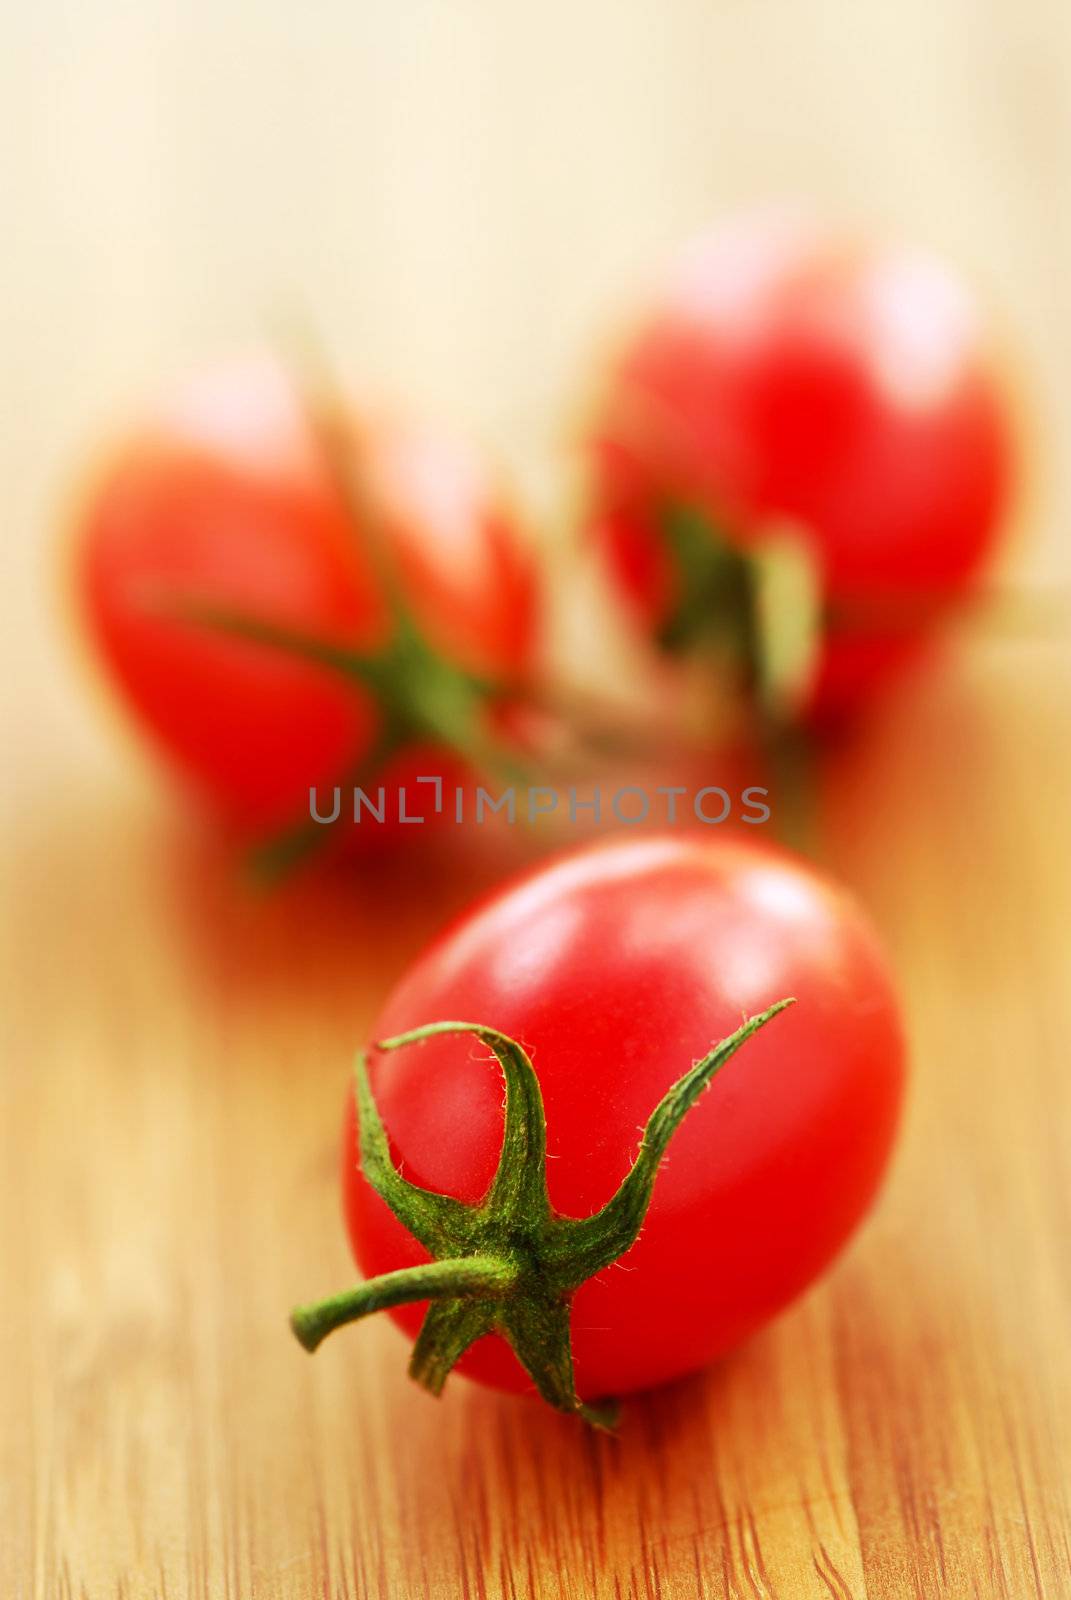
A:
225	497
616	967
787	373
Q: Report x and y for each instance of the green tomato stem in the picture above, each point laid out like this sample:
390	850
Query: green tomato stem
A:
476	1278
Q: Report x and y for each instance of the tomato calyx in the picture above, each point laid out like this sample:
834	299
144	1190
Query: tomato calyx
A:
510	1264
419	694
757	611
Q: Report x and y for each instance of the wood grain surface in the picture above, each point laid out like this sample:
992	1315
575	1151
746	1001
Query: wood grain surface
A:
175	1056
175	1050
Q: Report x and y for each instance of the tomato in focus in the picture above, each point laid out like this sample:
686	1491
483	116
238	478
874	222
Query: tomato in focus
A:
616	967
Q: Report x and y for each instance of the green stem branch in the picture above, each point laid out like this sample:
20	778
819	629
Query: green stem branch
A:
475	1277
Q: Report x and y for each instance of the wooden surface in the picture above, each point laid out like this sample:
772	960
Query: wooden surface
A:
174	1063
175	1053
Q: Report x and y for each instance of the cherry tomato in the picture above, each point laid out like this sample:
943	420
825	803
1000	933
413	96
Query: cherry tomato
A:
787	374
225	498
617	967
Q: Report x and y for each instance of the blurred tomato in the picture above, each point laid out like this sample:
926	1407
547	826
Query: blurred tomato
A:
786	376
226	499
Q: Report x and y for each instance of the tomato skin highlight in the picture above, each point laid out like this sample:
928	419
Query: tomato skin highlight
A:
223	496
617	966
788	373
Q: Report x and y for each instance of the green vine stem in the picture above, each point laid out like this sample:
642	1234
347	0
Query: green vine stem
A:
761	606
759	612
510	1264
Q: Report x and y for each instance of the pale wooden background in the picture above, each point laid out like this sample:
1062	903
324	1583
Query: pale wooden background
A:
461	192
